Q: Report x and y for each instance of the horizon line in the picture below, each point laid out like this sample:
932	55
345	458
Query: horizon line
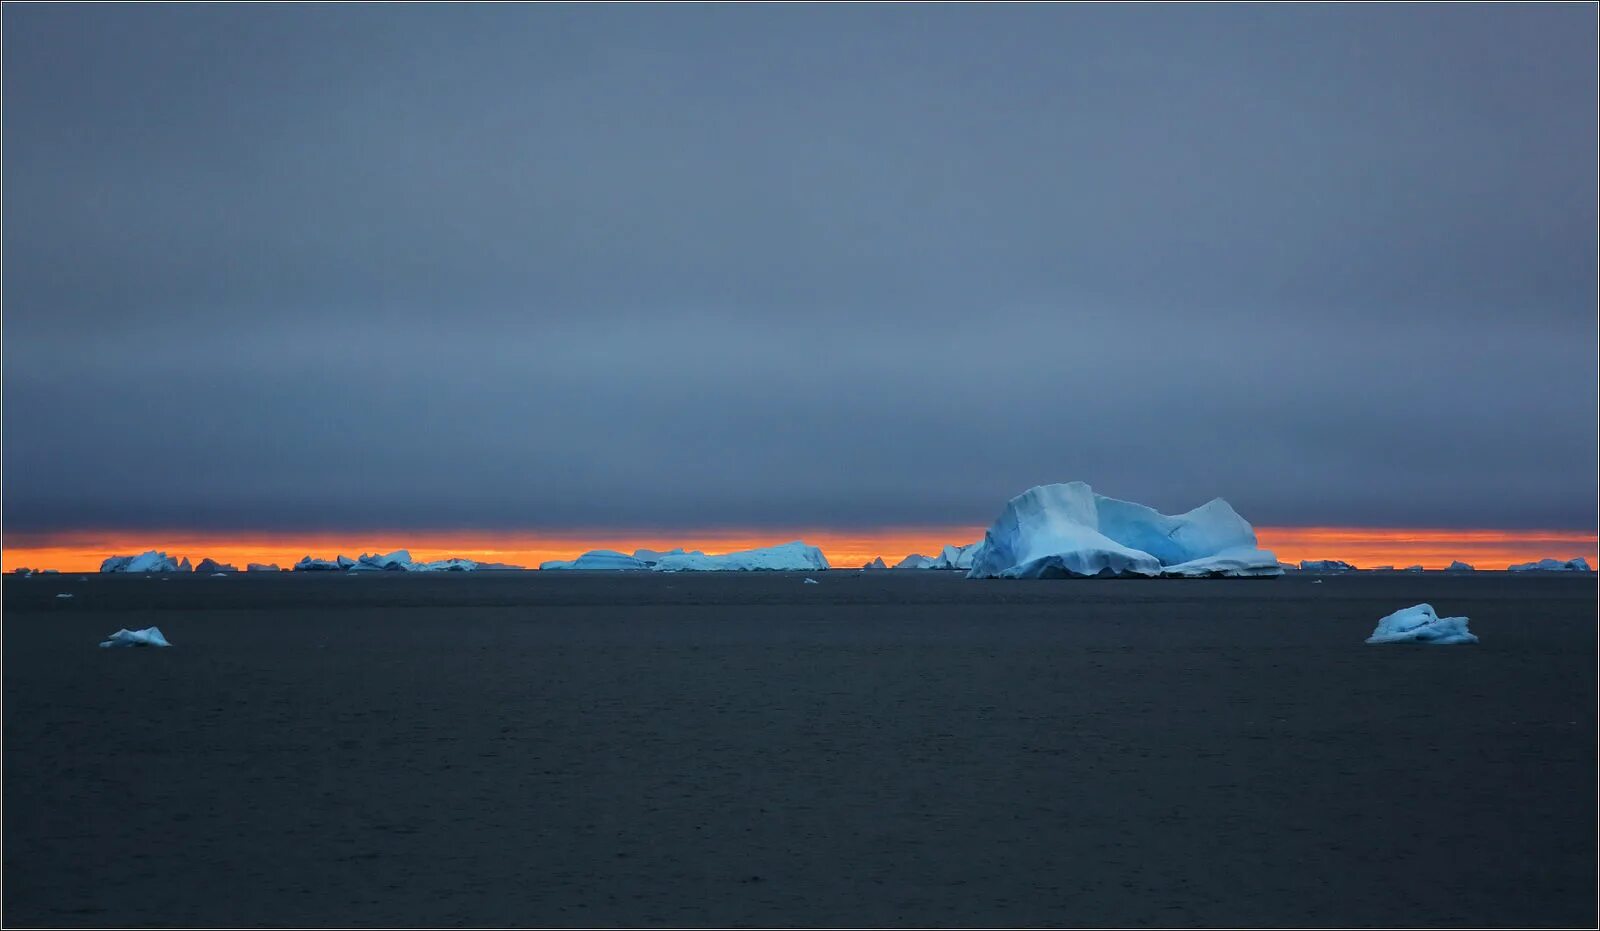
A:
83	550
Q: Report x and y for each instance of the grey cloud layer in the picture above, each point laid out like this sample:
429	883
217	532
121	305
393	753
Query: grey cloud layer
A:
505	268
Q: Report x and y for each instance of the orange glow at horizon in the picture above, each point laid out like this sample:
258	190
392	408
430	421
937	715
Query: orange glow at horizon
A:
82	551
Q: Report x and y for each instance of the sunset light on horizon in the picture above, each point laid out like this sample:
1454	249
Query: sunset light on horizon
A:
83	551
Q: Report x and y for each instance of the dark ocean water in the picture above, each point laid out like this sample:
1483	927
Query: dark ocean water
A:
878	749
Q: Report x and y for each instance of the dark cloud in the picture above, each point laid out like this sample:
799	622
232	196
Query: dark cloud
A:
294	267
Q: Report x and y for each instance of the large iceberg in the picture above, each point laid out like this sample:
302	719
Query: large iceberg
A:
261	567
876	563
1459	566
1065	530
797	555
397	561
150	561
915	561
1327	565
148	637
308	564
211	565
1544	565
1419	624
602	560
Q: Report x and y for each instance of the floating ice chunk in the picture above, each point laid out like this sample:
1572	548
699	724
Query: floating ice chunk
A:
1054	531
151	561
262	567
1551	565
1326	565
148	637
812	582
797	555
64	595
1419	624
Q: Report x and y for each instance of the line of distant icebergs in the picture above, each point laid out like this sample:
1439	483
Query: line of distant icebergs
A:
397	561
1544	565
1049	531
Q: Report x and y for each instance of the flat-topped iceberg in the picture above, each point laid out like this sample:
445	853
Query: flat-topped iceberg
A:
1327	565
797	555
148	637
453	564
1544	565
1419	624
789	556
151	561
601	560
1066	530
261	567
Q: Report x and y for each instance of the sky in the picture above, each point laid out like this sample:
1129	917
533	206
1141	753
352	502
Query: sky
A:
309	270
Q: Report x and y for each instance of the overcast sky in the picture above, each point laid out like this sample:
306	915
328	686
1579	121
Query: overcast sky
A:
283	267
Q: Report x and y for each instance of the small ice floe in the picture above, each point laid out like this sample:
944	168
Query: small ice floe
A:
64	595
811	582
216	574
1316	581
1419	624
149	637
